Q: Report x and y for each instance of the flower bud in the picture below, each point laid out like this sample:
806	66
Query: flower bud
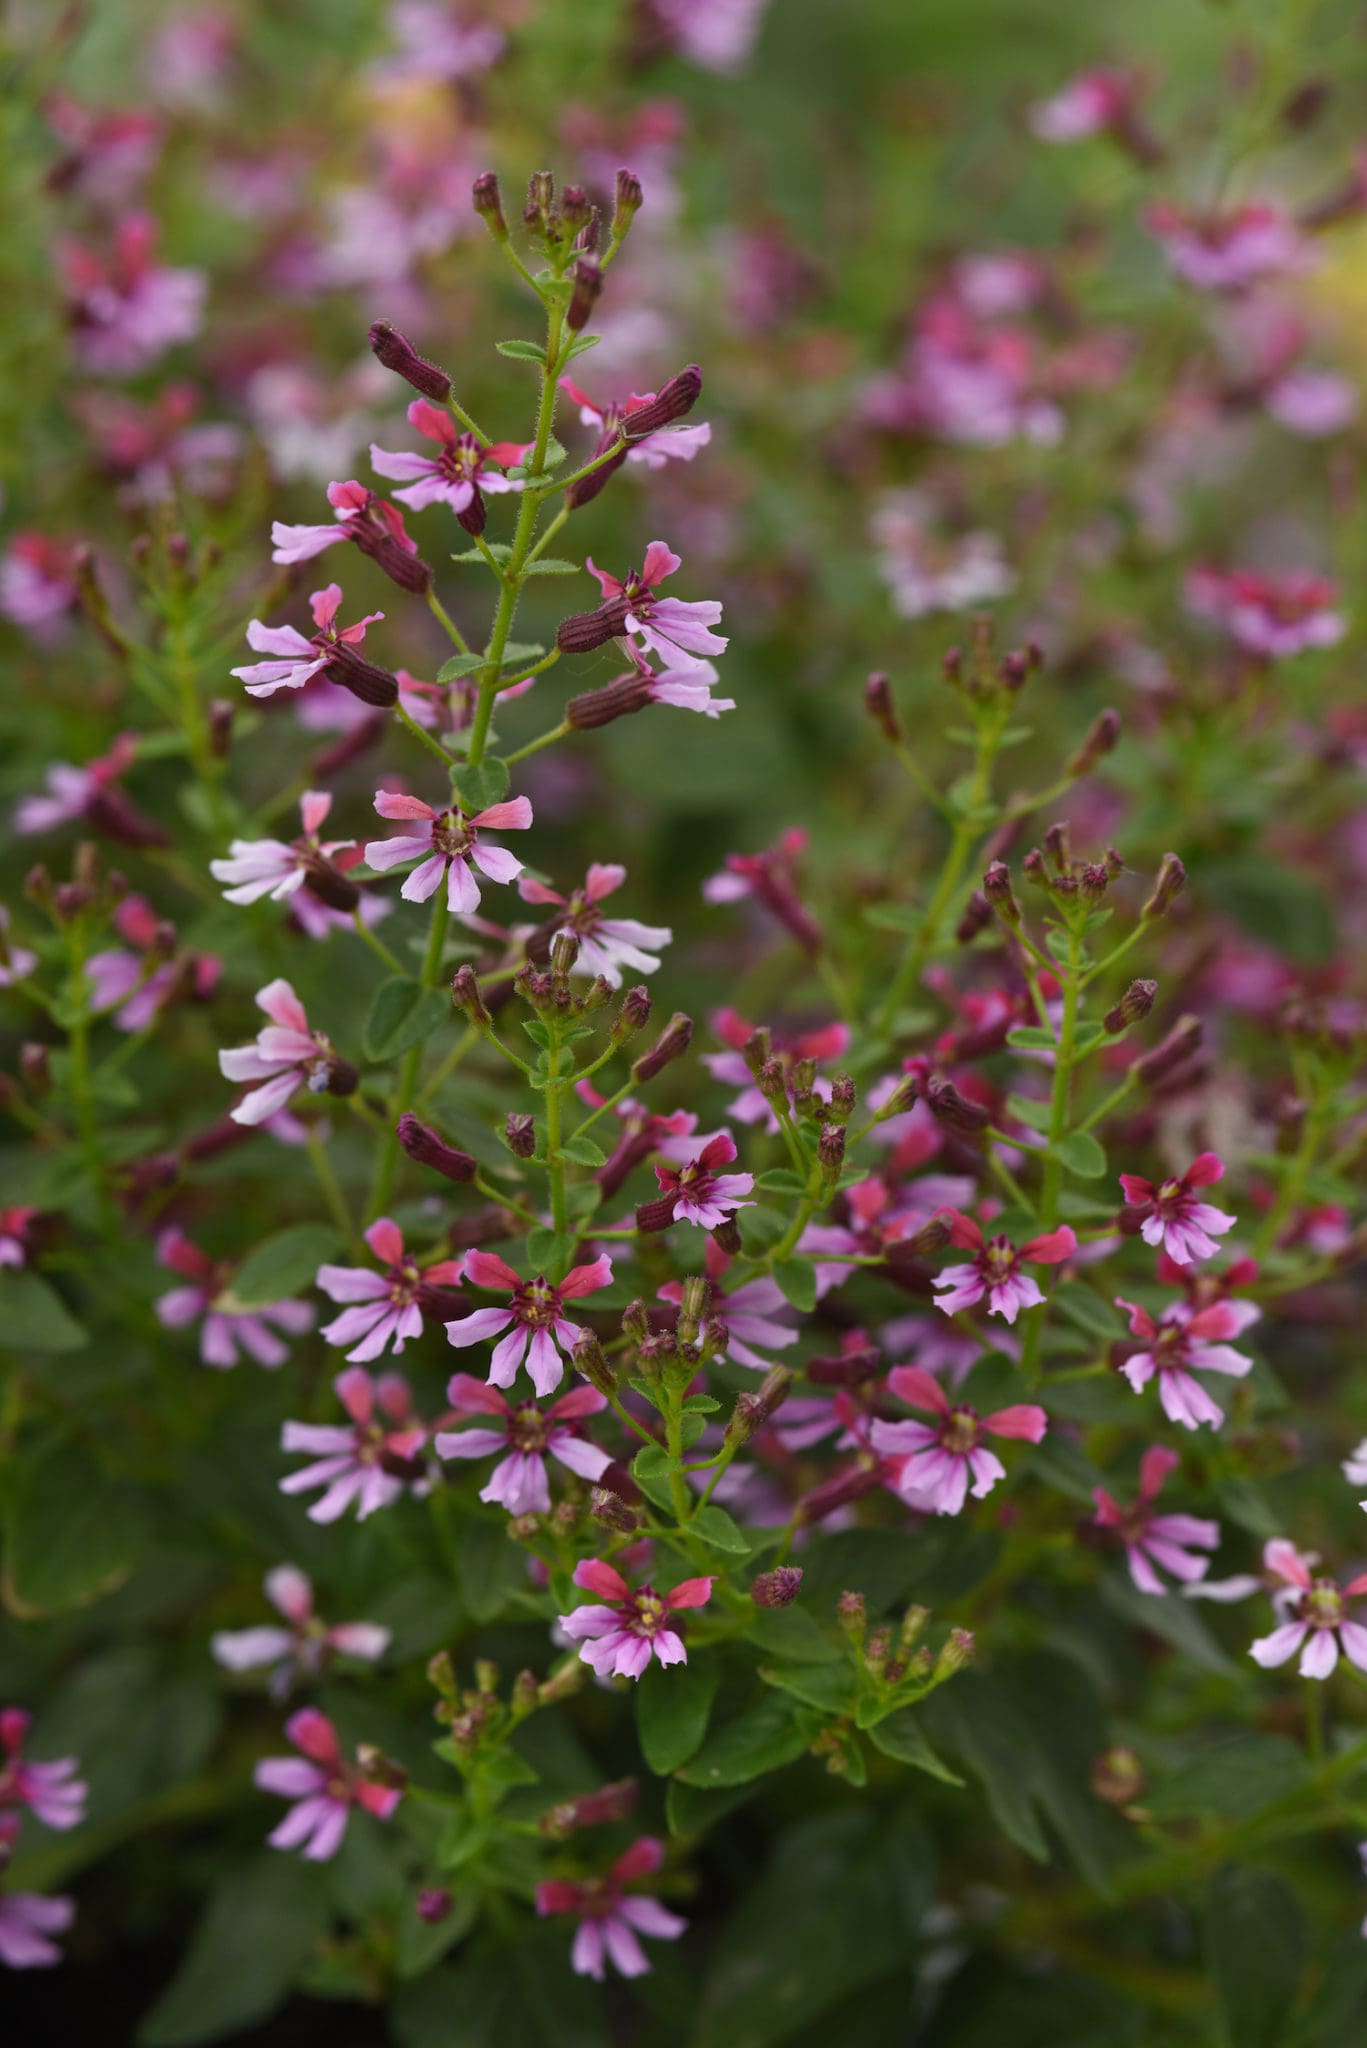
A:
752	1411
977	916
1181	1044
619	699
1094	881
880	707
913	1624
999	893
636	1321
677	396
610	445
843	1097
398	354
952	1109
1134	1005
118	817
564	952
839	1491
1101	736
519	1134
671	1044
591	1809
852	1615
693	1299
591	1360
422	1144
582	632
433	1904
830	1152
1171	877
628	201
957	1652
633	1015
1034	870
845	1368
778	1588
588	289
611	1513
1058	846
373	685
773	1085
326	881
465	994
488	204
342	1077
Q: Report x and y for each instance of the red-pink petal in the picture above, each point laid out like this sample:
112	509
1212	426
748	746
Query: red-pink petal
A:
918	1388
1024	1421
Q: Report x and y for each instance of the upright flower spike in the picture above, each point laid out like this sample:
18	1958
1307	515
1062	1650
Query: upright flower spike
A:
368	1461
447	843
934	1462
305	1645
619	1637
323	1786
694	1191
610	1917
207	1298
677	630
1184	1341
385	1308
287	1055
1313	1619
52	1792
459	475
995	1269
528	1435
536	1313
329	653
27	1919
1171	1541
606	944
1168	1213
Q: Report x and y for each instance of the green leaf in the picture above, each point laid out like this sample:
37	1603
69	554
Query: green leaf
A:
781	1180
477	788
1081	1154
672	1709
461	664
764	1738
550	1251
791	1632
71	1533
827	1687
977	1718
797	1283
1034	1037
582	1151
402	1013
1231	1780
492	1567
284	1263
552	565
1087	1311
718	1530
580	343
1034	1115
653	1461
901	1736
33	1315
894	917
518	653
258	1929
1256	1944
522	351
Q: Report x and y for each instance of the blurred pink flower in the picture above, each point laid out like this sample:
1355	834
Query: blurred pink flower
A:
610	1918
304	1647
226	1326
323	1786
1150	1539
528	1435
125	311
619	1637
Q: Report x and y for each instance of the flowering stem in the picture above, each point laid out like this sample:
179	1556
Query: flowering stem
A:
562	483
547	739
1293	1186
377	946
555	1165
387	1164
549	535
1058	1126
446	622
424	738
332	1193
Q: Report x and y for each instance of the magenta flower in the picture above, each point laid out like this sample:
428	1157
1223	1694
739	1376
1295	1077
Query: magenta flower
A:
78	792
676	444
300	659
1187	1340
287	1055
619	1638
927	569
386	1308
1226	252
716	35
771	878
324	1787
1312	1615
448	843
529	1437
934	1462
676	630
271	867
369	1461
38	585
1151	1539
1090	104
995	1270
458	475
610	1918
125	310
16	1243
695	1192
536	1313
305	1646
358	515
606	944
208	1296
131	983
52	1792
1167	1213
1274	616
27	1919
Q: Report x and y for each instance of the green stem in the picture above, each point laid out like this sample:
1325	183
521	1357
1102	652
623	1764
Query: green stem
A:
332	1193
447	623
549	535
555	1165
386	1166
547	739
377	946
1058	1126
423	738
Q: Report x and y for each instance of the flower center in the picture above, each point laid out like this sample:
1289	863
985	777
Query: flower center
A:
1171	1191
1322	1606
452	836
960	1431
527	1430
651	1613
538	1303
999	1259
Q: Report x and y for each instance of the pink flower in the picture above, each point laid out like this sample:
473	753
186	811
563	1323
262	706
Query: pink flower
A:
1088	105
323	1786
132	984
935	1461
78	792
157	447
1151	1539
15	1235
695	1192
995	1270
676	630
610	1918
447	843
928	570
965	381
771	878
536	1313
209	1295
301	659
369	1462
52	1792
619	1637
1167	1213
361	516
387	1308
1314	1610
528	1436
287	1055
124	310
1223	253
1187	1340
716	35
606	944
459	474
677	444
821	1042
1270	615
433	46
27	1919
110	150
306	1646
38	585
271	867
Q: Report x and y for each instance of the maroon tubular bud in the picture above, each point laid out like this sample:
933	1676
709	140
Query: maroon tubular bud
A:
519	1134
830	1151
1059	847
330	760
423	1144
115	815
778	1588
330	885
465	994
363	678
656	1215
1171	878
1102	734
845	1368
591	1809
778	896
400	565
600	707
1131	1217
727	1238
220	1136
671	1044
220	722
589	486
1135	1004
773	1084
837	1492
634	1014
630	1151
999	893
1034	870
475	516
674	398
1181	1044
976	918
398	354
433	1904
588	289
752	1411
1094	881
342	1078
879	705
628	201
576	209
952	1109
488	204
584	631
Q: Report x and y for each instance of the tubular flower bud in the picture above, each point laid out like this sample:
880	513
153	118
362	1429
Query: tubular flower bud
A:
588	487
591	1809
1101	736
564	952
465	994
977	916
838	1492
628	201
851	1613
591	1360
843	1097
619	699
773	1084
830	1152
949	1107
1058	845
612	1513
957	1652
676	396
671	1044
588	289
1034	869
693	1299
488	204
373	685
633	1016
1134	1005
752	1411
398	354
582	632
422	1144
1171	877
1094	881
727	1238
778	1588
880	707
845	1368
1181	1044
519	1134
325	880
999	893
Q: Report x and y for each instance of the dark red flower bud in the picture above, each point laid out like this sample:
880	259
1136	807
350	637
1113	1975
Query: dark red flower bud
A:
1135	1004
671	1044
465	994
1181	1044
837	1492
1102	734
373	685
330	760
433	1904
519	1134
587	487
830	1151
342	1078
676	396
587	275
977	916
591	1360
949	1107
423	1144
398	354
605	1507
327	882
615	700
633	1016
656	1215
1171	878
845	1368
629	200
880	707
999	893
727	1238
584	631
778	1588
